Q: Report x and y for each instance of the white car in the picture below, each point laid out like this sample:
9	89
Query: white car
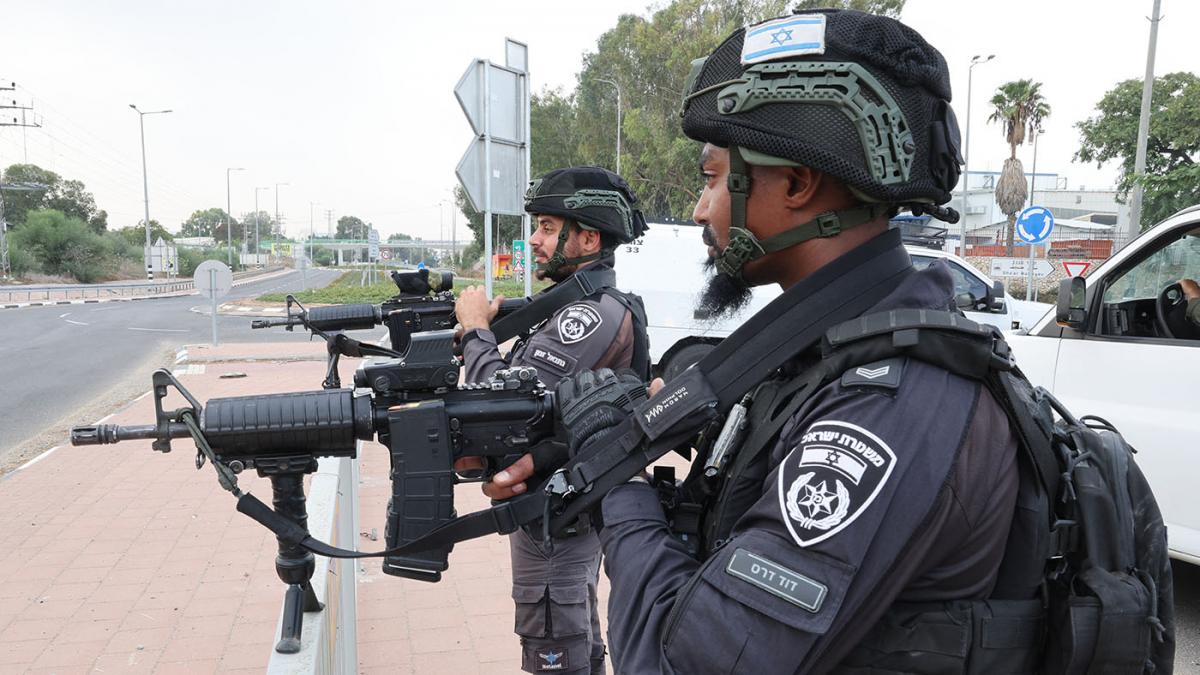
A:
1120	346
665	267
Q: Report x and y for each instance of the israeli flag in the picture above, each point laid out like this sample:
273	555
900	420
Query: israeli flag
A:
784	38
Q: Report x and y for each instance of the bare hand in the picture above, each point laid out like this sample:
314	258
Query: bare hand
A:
511	481
473	310
656	386
1191	290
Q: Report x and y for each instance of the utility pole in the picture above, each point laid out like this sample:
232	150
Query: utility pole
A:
277	228
1139	158
329	230
146	182
311	250
5	267
962	229
618	88
257	240
229	218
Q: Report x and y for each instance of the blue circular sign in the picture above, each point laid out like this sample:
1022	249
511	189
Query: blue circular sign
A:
1035	224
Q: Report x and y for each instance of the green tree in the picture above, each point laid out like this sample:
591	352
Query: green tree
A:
210	223
65	245
50	191
351	227
136	234
99	221
1019	108
890	8
264	228
504	228
1172	179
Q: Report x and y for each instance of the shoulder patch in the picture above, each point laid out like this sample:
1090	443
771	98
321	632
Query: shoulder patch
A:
830	478
882	374
577	322
777	580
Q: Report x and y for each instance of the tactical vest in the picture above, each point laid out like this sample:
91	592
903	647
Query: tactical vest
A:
586	284
1034	620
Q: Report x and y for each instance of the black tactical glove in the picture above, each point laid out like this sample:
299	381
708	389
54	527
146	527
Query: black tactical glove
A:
592	402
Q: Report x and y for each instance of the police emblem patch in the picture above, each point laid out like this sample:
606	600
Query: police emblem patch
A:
552	658
830	478
577	322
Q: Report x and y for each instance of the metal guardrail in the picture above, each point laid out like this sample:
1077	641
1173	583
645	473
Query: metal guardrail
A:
47	292
84	291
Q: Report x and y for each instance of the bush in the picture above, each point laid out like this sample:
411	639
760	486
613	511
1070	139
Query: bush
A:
20	261
190	259
324	257
65	245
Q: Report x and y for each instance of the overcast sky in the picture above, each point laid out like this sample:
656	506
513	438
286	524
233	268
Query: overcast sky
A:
353	105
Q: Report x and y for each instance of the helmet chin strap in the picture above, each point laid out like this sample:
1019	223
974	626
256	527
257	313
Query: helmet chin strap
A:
744	246
560	260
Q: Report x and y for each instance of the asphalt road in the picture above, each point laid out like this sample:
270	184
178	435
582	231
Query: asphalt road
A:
61	365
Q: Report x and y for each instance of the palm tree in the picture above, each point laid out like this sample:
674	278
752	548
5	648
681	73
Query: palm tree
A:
1018	106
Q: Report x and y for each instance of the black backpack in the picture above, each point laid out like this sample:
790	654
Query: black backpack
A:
1087	537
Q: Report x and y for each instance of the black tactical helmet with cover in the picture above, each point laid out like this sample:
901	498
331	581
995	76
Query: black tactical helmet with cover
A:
592	197
860	97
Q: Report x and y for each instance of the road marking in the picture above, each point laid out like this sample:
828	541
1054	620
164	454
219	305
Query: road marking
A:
77	323
64	315
160	330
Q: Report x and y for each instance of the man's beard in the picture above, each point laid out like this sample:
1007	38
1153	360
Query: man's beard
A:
723	296
557	275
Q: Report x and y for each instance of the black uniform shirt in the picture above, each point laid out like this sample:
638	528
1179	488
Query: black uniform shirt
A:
895	483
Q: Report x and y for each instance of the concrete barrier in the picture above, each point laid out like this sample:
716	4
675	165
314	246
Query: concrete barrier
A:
329	642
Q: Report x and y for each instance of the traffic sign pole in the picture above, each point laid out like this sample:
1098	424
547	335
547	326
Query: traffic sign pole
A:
212	282
1034	226
1029	281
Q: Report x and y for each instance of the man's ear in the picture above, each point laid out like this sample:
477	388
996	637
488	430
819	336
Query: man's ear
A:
804	183
590	240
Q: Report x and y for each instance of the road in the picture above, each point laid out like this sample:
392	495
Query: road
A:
71	364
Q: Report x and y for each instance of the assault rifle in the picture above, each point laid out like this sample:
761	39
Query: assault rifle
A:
412	403
425	303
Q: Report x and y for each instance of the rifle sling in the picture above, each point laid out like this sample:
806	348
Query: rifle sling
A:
580	285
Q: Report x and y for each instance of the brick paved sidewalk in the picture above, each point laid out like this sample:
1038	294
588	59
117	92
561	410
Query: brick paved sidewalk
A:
117	559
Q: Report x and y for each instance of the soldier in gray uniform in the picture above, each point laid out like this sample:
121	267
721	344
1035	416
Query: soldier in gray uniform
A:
859	527
581	214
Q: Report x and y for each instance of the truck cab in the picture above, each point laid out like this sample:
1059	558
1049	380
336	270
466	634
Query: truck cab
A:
1120	346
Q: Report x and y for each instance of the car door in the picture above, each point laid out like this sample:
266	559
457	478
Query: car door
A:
1147	384
969	290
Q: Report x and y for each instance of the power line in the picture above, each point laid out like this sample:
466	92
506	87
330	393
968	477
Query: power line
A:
5	267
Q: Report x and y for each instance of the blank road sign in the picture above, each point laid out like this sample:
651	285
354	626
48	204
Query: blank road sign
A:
508	177
507	111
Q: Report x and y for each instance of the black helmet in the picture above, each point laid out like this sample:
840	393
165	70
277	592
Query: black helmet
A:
595	198
860	97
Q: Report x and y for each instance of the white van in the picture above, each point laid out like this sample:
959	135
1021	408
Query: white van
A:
665	267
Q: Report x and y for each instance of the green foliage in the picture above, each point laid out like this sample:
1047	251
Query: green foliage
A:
20	261
890	8
99	222
324	256
1172	180
345	289
64	245
1020	108
504	228
210	222
263	228
69	197
190	258
351	227
136	234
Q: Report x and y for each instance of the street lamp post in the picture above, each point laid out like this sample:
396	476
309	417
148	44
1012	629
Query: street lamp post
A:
618	88
975	60
257	240
311	251
146	181
229	216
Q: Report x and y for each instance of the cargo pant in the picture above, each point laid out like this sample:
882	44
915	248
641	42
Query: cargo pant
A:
557	616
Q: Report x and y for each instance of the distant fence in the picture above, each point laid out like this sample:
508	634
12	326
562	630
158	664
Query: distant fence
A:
328	645
44	292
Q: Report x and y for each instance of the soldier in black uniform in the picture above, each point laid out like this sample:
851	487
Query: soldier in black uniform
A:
581	214
862	533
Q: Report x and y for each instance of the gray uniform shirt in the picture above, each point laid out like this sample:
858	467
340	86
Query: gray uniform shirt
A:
596	332
876	495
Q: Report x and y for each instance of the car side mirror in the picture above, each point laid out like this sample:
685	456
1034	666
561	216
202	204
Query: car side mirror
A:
1072	303
996	298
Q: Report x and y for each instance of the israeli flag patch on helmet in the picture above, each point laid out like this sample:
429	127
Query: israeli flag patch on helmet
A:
784	38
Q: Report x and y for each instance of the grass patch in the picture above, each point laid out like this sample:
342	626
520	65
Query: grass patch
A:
346	289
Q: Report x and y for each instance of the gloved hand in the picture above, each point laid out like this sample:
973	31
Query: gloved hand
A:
593	402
